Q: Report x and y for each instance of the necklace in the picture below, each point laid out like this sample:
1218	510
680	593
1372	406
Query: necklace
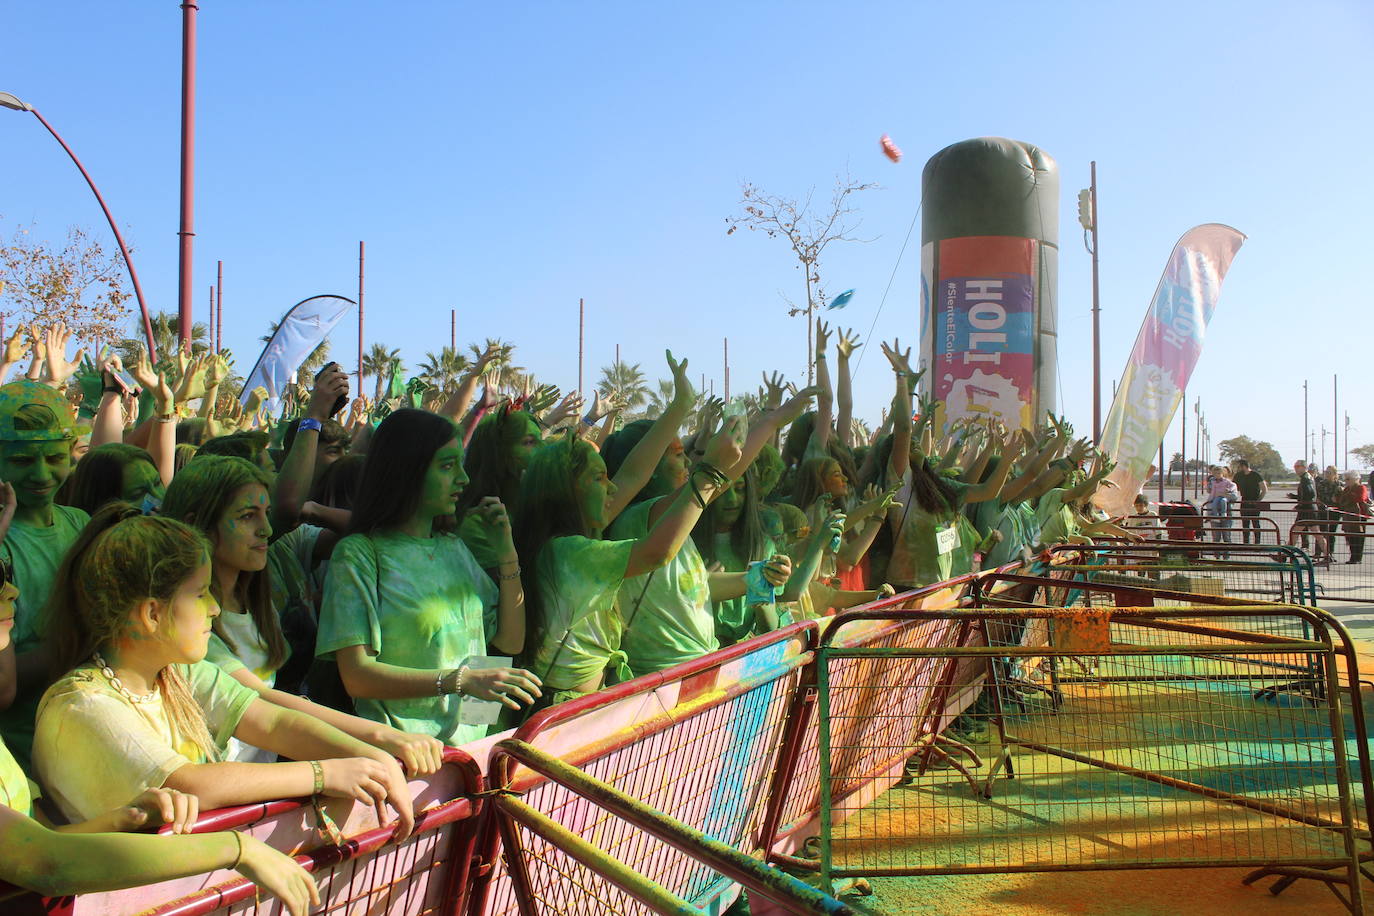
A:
117	684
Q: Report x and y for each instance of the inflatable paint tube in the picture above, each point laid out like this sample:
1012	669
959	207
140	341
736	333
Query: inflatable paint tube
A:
989	274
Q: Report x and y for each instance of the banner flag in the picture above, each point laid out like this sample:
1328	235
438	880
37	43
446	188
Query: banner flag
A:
303	328
1165	353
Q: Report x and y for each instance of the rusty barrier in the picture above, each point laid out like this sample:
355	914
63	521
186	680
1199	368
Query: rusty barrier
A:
359	870
1159	753
605	883
698	742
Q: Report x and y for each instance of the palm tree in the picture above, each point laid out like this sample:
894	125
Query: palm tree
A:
660	399
377	363
443	370
624	382
316	361
166	337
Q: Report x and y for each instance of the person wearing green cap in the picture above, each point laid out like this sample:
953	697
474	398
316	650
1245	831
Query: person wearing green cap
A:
37	431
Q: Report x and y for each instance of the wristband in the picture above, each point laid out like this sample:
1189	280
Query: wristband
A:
319	777
238	859
310	423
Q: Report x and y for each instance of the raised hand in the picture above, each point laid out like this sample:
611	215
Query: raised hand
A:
330	385
17	347
601	405
55	342
797	405
899	359
568	407
848	343
725	448
543	397
822	337
683	394
774	388
192	384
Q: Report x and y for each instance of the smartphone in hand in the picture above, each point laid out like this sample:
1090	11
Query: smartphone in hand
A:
342	400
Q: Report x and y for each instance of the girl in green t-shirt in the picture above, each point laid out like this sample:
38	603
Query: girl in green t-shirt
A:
228	500
572	576
408	613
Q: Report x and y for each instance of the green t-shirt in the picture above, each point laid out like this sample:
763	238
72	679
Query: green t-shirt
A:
35	554
17	792
477	535
579	579
1055	522
924	544
290	562
414	603
673	622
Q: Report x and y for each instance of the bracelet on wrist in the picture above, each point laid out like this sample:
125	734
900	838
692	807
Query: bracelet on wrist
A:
238	859
505	577
318	769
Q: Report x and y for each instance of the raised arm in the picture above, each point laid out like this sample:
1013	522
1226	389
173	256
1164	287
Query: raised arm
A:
672	518
638	467
900	360
456	406
846	345
297	474
766	427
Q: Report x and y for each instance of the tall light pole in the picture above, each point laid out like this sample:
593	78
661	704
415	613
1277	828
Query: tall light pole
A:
188	167
1087	217
14	104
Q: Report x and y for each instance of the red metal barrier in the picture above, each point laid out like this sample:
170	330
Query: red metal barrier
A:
426	874
698	742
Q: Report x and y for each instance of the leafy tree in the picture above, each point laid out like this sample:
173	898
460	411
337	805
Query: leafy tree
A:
77	283
1365	454
377	363
808	232
626	382
444	369
1262	456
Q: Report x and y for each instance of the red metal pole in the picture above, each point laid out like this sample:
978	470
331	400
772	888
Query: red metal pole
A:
188	168
453	330
581	338
360	316
119	239
1183	451
212	318
727	369
218	329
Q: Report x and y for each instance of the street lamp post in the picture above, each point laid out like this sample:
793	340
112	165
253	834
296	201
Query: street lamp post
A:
15	104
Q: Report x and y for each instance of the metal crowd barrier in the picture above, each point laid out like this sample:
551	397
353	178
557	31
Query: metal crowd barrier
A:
1258	530
359	870
698	742
1159	753
1275	573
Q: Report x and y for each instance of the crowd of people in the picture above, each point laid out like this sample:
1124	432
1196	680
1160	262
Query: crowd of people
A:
206	606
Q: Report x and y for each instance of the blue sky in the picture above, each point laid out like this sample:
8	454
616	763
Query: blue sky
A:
506	159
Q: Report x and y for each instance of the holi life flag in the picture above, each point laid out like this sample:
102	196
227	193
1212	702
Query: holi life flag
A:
1165	353
303	328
